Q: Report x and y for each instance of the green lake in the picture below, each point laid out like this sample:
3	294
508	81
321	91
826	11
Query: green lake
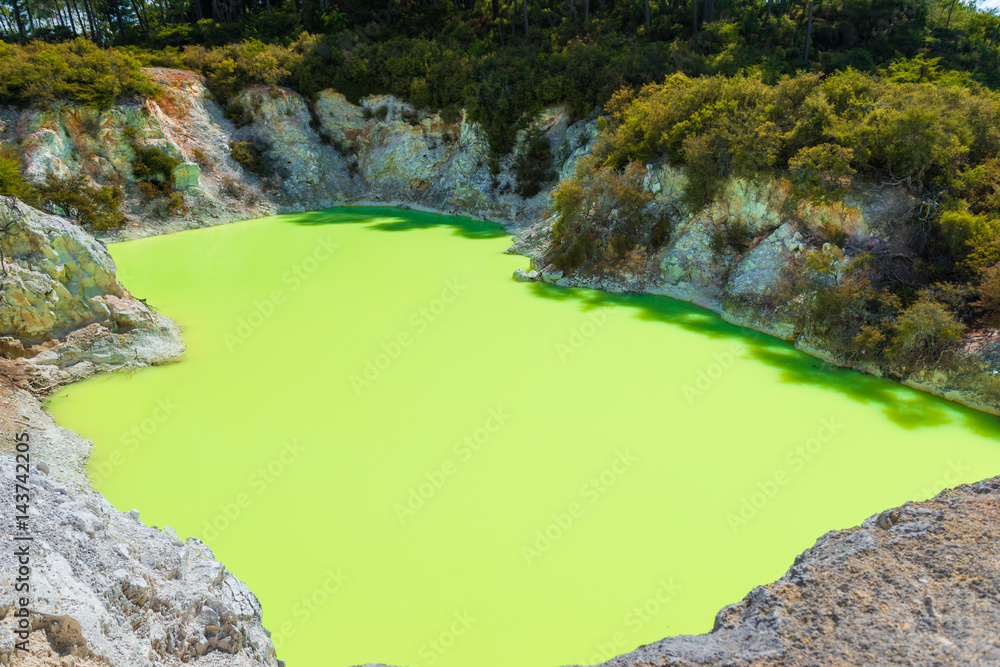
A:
413	459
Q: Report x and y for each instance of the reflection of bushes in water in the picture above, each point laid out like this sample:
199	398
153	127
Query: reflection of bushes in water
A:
903	406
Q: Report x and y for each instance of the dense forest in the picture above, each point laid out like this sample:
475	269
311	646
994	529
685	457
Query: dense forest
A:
824	93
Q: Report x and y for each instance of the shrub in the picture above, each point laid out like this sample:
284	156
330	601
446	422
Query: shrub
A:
11	181
989	292
533	165
602	214
201	158
819	172
152	163
972	240
923	332
39	73
95	207
238	114
734	235
249	156
838	297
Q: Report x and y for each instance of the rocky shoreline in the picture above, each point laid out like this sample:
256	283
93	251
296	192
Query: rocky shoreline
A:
171	602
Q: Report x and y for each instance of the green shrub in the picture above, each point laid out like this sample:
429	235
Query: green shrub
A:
152	163
838	298
11	181
733	235
972	240
819	172
602	214
238	114
95	207
39	73
989	293
249	156
924	331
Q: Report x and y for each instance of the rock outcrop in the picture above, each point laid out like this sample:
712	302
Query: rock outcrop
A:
63	308
106	589
914	585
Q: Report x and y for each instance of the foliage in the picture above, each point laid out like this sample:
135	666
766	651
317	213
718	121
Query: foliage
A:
989	293
39	73
533	165
821	130
249	156
819	172
924	331
95	207
152	163
733	235
839	298
11	181
602	215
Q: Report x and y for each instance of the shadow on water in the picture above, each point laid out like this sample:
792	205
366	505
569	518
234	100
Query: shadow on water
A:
385	219
905	407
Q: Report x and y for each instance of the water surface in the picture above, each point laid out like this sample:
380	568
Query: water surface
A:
411	458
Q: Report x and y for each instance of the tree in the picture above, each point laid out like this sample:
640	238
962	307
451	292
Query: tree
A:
524	4
647	13
809	30
8	227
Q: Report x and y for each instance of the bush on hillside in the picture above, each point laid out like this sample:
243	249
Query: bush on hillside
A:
95	207
39	73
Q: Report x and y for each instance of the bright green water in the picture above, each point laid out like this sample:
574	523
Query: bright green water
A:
260	444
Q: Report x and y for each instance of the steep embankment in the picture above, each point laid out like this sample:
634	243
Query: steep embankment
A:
898	590
105	589
857	597
337	153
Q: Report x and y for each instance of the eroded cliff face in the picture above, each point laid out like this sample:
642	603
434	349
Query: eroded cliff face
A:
67	317
334	153
749	287
899	589
107	589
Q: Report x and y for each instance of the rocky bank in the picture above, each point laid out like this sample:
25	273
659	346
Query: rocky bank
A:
916	585
106	589
913	585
